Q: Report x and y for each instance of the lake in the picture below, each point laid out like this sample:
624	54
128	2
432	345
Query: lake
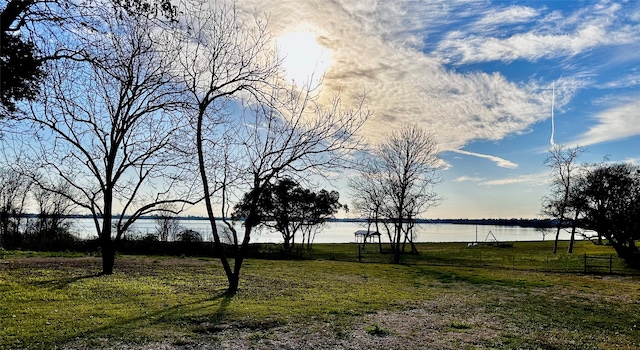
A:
343	232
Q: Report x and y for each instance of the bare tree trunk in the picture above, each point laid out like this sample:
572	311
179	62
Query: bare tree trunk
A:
367	235
378	231
558	228
555	242
573	231
106	243
404	242
414	249
396	251
108	256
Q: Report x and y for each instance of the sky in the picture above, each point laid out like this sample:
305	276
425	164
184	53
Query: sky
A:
496	83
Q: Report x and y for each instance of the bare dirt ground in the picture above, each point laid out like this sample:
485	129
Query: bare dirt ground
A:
449	322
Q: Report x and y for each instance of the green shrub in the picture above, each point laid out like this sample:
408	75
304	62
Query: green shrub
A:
377	330
459	325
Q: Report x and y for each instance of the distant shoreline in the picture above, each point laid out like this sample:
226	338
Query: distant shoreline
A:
535	223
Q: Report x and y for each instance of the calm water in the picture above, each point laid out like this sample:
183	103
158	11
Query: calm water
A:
343	232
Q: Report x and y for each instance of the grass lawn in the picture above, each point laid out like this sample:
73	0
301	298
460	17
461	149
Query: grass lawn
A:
179	303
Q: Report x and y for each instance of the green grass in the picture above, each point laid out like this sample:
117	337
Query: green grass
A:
48	301
534	256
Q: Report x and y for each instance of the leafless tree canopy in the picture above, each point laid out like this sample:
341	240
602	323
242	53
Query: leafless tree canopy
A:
228	64
14	189
53	206
564	172
396	182
106	123
134	108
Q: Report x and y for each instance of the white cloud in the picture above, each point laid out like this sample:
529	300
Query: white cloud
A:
533	179
380	48
615	123
511	14
503	163
553	36
531	46
406	55
465	178
633	161
377	47
625	81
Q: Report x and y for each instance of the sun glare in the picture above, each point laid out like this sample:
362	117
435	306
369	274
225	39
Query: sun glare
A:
303	59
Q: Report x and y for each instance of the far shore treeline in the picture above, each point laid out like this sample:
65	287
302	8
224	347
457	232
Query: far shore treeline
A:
521	222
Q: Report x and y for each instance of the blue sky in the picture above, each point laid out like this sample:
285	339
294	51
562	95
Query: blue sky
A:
479	75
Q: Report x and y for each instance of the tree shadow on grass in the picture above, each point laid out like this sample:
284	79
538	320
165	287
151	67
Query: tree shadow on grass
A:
190	317
61	282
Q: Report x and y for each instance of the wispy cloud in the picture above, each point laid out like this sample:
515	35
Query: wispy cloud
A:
468	178
503	163
378	47
625	81
551	36
615	123
401	54
509	15
534	179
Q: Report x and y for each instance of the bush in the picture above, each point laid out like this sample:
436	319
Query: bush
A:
189	236
377	330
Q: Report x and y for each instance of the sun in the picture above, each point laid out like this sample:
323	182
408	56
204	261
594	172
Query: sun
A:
303	60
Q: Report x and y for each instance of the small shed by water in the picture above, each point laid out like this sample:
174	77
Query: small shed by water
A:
362	235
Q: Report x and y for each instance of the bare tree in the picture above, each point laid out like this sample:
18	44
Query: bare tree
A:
13	196
562	161
222	57
167	224
369	201
402	172
105	126
53	207
227	60
300	138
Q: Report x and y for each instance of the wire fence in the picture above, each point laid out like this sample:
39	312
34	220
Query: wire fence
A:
498	258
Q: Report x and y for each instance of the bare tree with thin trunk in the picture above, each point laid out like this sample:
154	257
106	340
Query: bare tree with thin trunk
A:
404	171
369	200
298	139
14	189
229	63
105	125
53	208
222	58
167	223
29	28
562	161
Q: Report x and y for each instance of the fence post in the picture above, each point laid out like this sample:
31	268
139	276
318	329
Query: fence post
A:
546	266
610	264
359	254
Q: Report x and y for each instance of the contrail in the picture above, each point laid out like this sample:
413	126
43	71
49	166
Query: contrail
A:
553	125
